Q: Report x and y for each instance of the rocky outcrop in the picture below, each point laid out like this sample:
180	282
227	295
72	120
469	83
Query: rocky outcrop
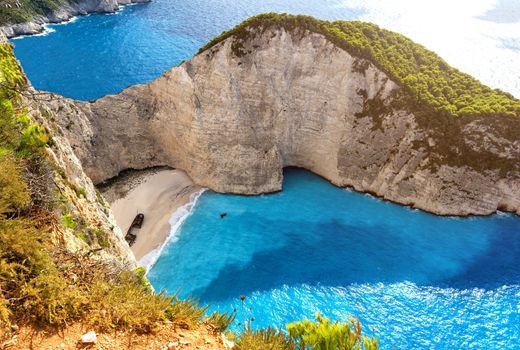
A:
63	14
101	235
233	120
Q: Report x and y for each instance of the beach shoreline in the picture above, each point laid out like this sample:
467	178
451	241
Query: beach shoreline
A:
158	194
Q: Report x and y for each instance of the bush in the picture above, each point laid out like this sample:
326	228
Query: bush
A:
14	193
185	312
323	334
68	221
221	321
140	274
264	339
125	305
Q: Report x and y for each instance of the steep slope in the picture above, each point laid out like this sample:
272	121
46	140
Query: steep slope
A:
283	91
56	182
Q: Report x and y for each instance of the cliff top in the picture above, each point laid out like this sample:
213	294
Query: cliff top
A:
431	81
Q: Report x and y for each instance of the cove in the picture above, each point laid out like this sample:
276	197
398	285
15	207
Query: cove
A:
415	280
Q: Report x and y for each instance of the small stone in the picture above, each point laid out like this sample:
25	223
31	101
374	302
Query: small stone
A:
172	345
89	338
227	343
184	342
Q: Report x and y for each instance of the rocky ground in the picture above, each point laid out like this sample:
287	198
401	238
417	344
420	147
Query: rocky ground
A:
168	337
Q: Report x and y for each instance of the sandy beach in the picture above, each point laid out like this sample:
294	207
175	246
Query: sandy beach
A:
156	193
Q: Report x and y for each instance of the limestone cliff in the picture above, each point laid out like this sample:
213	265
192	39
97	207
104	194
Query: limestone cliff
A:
234	118
63	11
69	207
96	231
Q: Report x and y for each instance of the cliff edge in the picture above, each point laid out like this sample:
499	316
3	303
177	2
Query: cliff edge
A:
361	106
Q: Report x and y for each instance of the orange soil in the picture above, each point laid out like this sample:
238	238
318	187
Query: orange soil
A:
167	337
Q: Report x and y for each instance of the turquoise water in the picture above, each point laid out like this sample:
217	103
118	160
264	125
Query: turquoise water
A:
415	280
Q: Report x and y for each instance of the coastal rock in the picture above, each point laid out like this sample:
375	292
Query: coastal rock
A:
64	13
292	98
89	338
89	204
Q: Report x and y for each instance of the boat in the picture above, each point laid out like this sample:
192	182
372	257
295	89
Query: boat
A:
130	237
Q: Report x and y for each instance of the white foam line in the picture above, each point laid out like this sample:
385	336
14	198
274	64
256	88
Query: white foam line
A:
46	31
70	20
176	221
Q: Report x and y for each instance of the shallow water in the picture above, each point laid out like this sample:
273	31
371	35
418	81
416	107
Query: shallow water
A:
418	280
101	54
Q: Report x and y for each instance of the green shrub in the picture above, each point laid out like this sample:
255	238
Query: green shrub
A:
49	301
68	221
126	305
185	312
140	272
264	339
14	193
81	192
323	334
221	321
102	238
33	139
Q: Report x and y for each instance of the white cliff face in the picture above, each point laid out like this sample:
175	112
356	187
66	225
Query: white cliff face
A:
233	121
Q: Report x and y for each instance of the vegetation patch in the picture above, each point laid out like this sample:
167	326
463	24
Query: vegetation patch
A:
319	334
428	79
19	11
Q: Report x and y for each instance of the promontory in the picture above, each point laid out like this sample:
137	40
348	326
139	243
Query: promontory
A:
359	105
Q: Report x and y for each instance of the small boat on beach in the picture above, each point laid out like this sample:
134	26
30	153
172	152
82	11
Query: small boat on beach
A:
130	237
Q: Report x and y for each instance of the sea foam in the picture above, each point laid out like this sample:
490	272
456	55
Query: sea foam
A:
177	219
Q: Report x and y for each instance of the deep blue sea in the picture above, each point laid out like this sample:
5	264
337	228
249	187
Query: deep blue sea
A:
415	280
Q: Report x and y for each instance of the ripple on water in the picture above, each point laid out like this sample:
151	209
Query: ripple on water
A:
415	280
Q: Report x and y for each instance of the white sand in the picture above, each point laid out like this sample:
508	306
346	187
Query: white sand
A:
157	196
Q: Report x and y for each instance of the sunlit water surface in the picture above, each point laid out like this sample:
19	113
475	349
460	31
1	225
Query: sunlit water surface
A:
415	280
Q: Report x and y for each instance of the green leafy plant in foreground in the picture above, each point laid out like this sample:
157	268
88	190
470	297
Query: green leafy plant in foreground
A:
323	334
221	321
320	334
